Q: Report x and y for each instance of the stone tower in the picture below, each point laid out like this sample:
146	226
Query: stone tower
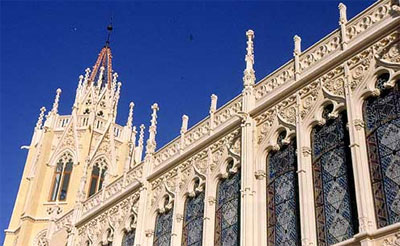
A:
71	157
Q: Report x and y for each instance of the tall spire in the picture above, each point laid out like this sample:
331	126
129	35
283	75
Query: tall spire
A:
103	60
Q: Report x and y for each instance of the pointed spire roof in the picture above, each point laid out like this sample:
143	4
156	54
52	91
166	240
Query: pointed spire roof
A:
104	60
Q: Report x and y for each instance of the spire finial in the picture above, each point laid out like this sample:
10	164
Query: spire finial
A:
141	135
40	119
249	74
56	100
297	45
343	14
184	126
151	142
130	116
213	105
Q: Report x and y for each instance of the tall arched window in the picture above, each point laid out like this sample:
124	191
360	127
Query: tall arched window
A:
162	234
227	214
283	217
334	194
193	220
98	174
61	177
382	126
129	238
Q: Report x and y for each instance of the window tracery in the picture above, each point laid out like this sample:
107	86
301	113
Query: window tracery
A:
163	229
61	177
227	215
382	127
283	227
98	175
193	220
335	208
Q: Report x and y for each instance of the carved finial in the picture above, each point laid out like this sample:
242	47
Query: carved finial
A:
80	81
130	116
184	126
213	106
87	74
141	135
40	119
249	74
343	14
151	142
297	45
114	82
56	100
100	80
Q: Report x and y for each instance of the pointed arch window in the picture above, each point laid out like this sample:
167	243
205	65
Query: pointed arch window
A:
334	192
193	220
382	127
162	234
61	178
227	214
128	238
283	216
97	178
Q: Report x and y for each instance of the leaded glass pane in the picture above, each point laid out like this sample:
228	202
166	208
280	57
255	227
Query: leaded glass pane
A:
227	219
162	234
282	197
335	207
129	238
193	221
382	125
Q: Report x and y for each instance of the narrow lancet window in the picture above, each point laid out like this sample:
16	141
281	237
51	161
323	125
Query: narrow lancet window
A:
334	193
193	220
129	238
382	126
61	177
98	175
227	215
283	217
162	234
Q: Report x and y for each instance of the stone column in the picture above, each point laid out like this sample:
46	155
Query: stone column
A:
362	180
305	179
248	218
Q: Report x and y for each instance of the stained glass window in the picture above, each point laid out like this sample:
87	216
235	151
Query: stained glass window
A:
334	193
61	177
193	221
162	234
97	178
227	217
129	238
382	126
282	196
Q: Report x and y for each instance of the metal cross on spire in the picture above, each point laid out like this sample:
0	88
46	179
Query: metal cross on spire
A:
109	30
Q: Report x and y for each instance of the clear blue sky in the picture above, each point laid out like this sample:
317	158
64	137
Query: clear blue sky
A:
174	53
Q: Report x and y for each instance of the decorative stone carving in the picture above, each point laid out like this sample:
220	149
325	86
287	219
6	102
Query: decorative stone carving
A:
359	124
306	151
260	174
392	241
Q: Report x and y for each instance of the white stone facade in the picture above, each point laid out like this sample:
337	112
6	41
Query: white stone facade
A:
340	70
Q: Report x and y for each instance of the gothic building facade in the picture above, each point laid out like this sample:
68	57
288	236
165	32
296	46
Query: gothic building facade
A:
308	155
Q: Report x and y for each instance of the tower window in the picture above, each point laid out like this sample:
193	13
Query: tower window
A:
97	177
61	177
